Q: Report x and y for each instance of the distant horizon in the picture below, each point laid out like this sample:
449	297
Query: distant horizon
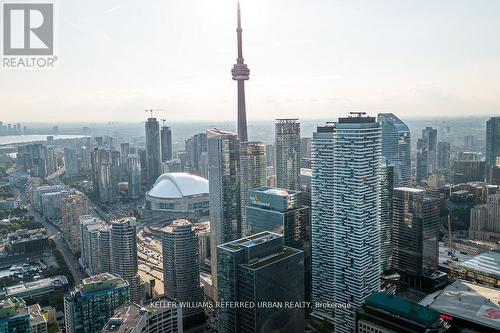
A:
261	120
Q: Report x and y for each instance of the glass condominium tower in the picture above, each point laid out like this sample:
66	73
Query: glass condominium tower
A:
288	157
346	192
492	145
356	215
396	147
253	173
224	189
153	150
322	219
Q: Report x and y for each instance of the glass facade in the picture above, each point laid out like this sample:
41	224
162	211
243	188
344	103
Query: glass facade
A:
253	173
89	307
153	150
416	232
288	157
224	189
260	268
396	147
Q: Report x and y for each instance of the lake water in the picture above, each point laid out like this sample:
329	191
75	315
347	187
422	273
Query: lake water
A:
13	139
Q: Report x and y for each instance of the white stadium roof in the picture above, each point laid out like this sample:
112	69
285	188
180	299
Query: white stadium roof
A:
177	185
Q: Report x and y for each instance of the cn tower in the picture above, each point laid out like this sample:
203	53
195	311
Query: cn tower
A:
241	73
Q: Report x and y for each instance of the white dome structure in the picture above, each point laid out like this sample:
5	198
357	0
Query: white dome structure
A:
176	185
179	193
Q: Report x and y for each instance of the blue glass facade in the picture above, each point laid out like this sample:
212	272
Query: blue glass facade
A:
396	147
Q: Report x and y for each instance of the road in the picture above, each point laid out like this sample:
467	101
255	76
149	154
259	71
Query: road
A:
56	236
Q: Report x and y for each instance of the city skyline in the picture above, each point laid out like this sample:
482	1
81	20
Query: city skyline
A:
314	203
295	72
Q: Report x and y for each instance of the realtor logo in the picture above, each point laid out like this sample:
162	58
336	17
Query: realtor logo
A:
28	29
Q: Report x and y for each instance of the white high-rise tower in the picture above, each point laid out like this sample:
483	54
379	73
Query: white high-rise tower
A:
346	176
322	219
356	222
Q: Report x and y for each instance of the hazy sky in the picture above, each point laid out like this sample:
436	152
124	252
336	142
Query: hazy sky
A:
308	59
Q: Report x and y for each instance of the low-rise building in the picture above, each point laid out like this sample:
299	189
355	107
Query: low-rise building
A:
8	203
36	289
483	268
27	241
383	313
164	316
467	307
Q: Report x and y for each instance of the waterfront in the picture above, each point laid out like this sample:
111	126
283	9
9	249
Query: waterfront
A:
14	139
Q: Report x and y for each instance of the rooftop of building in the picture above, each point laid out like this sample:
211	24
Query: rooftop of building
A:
125	319
36	315
467	301
101	282
356	117
128	317
177	185
124	220
55	281
257	259
23	235
12	307
216	131
287	120
250	241
404	308
201	227
181	223
409	189
274	191
486	263
264	261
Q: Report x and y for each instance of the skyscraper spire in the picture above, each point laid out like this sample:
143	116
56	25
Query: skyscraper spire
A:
241	73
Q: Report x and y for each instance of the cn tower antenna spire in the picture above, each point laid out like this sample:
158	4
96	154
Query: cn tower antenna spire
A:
241	73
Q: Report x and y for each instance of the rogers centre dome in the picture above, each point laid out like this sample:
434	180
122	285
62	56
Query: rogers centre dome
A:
178	192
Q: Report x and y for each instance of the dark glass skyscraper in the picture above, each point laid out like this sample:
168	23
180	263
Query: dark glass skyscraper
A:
415	235
492	145
443	155
259	268
422	160
166	143
430	135
386	230
282	212
153	155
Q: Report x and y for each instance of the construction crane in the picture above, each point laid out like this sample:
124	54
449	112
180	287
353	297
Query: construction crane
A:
154	110
451	249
